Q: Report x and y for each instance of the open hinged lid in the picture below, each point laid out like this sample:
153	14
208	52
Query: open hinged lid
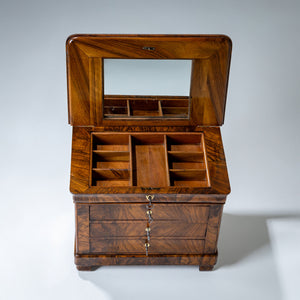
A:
155	80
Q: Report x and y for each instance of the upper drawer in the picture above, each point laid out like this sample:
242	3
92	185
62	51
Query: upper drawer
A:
192	213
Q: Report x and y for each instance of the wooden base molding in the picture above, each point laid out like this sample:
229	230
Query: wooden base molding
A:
206	262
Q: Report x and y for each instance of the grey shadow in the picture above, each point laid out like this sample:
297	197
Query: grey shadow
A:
242	235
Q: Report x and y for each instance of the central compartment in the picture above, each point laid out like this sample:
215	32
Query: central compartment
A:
149	160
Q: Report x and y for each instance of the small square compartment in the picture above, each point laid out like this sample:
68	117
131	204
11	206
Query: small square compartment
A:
115	107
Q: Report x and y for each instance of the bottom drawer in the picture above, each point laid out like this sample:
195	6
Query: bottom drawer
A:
157	246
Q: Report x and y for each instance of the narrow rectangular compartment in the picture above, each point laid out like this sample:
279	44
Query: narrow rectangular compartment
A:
178	107
185	177
115	107
149	163
145	107
111	142
185	142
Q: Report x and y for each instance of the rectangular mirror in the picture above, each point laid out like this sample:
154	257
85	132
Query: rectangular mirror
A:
152	88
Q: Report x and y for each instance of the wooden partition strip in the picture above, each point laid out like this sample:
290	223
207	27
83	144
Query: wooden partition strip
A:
205	159
92	137
167	159
130	158
160	111
128	108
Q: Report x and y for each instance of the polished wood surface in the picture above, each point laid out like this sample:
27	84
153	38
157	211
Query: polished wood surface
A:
187	163
91	262
124	106
112	222
163	212
116	230
140	198
210	55
162	229
148	173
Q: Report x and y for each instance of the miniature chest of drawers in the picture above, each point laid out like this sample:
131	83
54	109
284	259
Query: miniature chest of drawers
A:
148	172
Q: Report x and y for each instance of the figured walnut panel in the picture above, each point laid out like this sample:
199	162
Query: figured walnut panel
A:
117	246
178	229
211	59
176	246
192	213
118	212
160	259
213	227
112	229
82	228
133	246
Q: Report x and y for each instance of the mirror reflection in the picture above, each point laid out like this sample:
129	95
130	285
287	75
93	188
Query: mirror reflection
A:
135	88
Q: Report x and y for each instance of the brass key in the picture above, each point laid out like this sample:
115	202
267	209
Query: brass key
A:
147	245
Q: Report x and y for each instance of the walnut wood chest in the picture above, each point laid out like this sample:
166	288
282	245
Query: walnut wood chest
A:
148	171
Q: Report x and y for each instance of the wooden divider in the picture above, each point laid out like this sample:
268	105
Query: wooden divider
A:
149	160
120	106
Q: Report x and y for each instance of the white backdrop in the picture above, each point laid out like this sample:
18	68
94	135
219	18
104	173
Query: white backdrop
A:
259	251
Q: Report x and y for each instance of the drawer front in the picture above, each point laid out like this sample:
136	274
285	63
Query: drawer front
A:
176	246
192	213
117	246
157	246
109	229
99	212
121	228
178	229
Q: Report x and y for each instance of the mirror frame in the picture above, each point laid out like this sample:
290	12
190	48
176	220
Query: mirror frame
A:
210	55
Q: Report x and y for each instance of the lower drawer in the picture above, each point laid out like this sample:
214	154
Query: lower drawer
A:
157	246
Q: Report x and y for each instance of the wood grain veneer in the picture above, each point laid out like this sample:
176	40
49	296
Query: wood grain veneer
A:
148	173
210	55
